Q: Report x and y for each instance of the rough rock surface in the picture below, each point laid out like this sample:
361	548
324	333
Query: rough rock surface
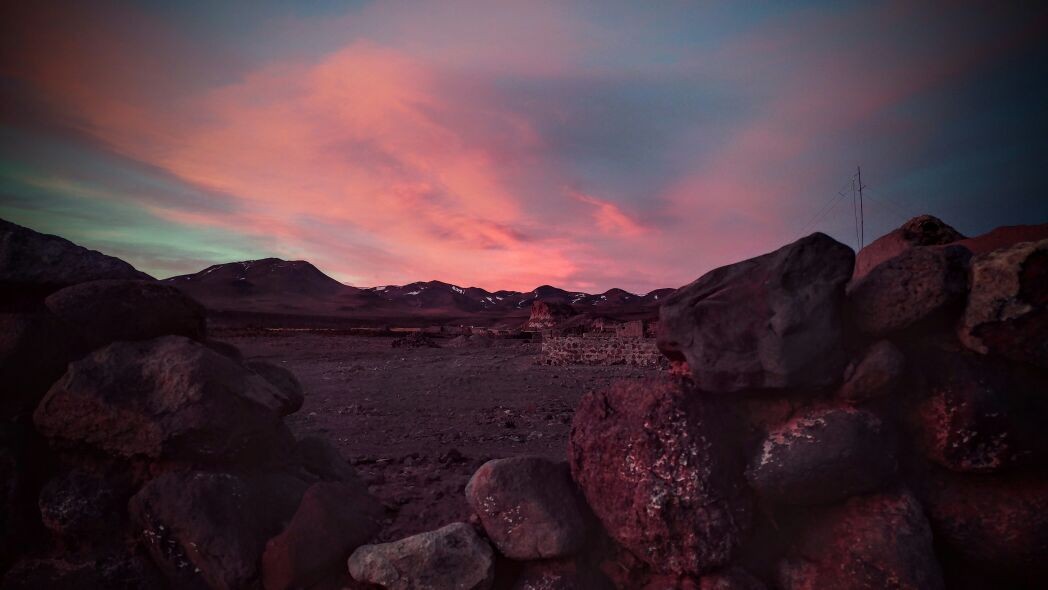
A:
875	375
109	570
658	469
869	543
415	340
333	519
321	458
999	523
975	415
284	381
170	397
559	574
31	258
732	578
453	557
529	507
101	312
1007	311
78	505
211	528
822	456
924	230
920	284
765	323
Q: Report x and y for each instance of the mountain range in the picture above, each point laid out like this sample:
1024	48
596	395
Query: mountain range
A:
272	285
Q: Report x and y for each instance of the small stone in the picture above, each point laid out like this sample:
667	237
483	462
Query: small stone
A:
450	557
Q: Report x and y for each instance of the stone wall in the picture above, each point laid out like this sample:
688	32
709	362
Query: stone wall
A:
601	350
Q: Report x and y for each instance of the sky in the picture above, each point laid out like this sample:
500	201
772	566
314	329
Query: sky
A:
505	145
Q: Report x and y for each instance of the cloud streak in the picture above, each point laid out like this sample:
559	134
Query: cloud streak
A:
394	143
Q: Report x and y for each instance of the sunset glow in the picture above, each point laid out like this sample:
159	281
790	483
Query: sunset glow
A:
584	145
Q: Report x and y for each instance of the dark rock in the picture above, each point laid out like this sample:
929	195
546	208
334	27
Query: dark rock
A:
975	415
559	574
167	398
1005	236
920	285
876	375
112	571
870	543
24	464
450	557
1007	312
657	466
924	230
529	507
285	383
732	578
770	322
34	352
822	456
333	519
323	459
35	264
997	523
210	529
103	312
77	506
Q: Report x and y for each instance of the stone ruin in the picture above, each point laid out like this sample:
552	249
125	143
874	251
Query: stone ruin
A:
830	432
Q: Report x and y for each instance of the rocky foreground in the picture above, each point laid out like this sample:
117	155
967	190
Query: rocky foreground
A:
829	423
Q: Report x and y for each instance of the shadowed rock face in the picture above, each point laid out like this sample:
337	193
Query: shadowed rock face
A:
450	557
98	311
168	398
771	322
823	456
648	458
919	285
924	230
879	541
529	507
41	262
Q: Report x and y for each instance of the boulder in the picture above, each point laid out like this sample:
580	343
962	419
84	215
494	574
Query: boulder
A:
102	312
923	230
77	506
1005	236
168	398
1007	311
450	557
284	381
559	574
210	529
877	374
920	285
997	523
975	415
333	519
771	322
658	468
822	456
529	507
35	349
869	543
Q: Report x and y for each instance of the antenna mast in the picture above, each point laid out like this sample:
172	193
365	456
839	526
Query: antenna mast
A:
862	217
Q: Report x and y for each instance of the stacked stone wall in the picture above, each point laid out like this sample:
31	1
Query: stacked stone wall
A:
601	350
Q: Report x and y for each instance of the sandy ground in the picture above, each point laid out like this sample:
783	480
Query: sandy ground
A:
417	422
